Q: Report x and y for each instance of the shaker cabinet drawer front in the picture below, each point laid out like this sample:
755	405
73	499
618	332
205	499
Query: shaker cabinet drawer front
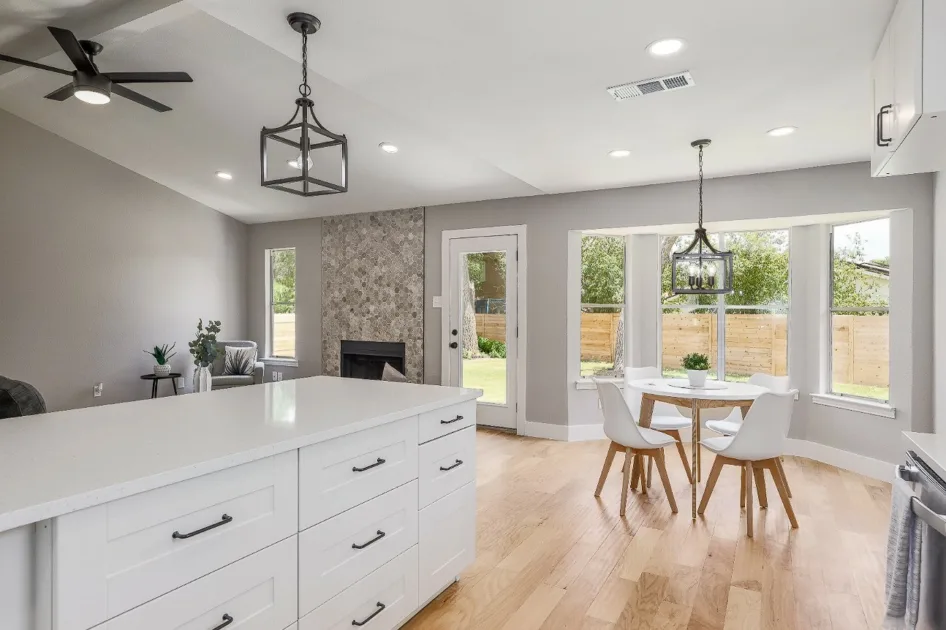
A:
256	593
113	557
447	540
446	464
440	422
339	474
380	601
337	553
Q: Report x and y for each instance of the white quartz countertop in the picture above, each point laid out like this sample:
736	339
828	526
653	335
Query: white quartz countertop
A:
931	447
56	463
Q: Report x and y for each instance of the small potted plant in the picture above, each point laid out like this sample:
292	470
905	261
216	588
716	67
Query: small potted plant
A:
204	350
162	356
697	366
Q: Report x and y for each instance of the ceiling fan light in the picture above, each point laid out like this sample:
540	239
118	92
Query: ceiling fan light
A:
92	96
94	89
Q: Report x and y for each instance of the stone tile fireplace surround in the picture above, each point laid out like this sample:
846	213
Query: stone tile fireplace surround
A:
373	285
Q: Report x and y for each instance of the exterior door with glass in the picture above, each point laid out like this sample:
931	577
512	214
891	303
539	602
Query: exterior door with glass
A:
482	332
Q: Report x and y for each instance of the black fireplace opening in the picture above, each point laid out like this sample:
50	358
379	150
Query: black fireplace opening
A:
366	359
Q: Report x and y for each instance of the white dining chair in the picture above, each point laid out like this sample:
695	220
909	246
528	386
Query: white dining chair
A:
666	418
636	441
755	448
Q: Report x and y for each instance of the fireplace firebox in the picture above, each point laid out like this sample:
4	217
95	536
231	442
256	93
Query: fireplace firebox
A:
366	359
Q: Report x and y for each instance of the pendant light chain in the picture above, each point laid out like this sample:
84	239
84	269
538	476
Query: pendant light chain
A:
701	186
304	88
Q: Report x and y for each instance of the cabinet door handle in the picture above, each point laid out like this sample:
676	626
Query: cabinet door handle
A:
369	617
370	542
374	465
227	620
452	466
457	419
223	521
881	140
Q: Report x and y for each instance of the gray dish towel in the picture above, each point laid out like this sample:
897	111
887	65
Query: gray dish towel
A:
904	547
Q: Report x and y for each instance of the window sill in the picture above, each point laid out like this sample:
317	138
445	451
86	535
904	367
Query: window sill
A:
587	383
280	361
855	404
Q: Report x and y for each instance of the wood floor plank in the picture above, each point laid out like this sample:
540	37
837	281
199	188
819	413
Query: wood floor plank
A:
551	556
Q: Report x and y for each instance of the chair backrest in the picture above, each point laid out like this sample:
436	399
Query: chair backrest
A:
765	428
777	384
633	396
216	369
619	423
19	399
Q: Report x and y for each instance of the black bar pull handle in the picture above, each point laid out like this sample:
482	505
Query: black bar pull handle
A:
227	620
452	466
223	521
369	617
457	419
881	140
374	465
370	542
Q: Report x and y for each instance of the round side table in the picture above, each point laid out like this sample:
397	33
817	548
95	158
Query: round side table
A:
173	376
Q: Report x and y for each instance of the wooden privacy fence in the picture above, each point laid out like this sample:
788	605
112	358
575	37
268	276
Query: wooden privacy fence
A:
284	334
754	343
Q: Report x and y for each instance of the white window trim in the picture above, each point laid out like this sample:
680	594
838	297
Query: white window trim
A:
855	403
271	360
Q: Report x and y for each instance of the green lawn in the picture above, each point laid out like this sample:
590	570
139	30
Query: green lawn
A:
488	375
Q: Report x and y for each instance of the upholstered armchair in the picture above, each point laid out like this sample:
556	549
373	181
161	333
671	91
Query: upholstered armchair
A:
219	381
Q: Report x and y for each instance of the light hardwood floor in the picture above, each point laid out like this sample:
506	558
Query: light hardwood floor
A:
550	555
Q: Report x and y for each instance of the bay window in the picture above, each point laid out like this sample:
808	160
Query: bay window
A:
602	305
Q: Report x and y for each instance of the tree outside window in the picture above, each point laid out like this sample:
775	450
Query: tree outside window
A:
282	303
602	305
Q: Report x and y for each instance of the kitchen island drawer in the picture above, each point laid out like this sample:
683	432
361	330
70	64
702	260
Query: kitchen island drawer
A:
447	540
440	422
113	557
446	464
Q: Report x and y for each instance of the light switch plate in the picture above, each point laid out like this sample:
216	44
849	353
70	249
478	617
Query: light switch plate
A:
438	301
97	389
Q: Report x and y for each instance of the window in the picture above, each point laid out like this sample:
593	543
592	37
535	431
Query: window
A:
281	303
743	333
860	315
602	305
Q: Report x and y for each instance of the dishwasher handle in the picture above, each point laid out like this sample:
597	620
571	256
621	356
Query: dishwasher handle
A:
924	513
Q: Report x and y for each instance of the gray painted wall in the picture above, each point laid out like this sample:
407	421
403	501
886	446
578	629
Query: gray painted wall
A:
306	236
826	190
939	329
99	263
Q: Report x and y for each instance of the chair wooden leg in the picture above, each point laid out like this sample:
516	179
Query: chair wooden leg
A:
635	473
742	487
650	471
759	474
665	479
749	519
628	459
641	473
699	449
683	453
781	470
608	460
710	484
783	493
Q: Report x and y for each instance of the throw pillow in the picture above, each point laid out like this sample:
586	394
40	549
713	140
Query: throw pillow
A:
392	375
239	361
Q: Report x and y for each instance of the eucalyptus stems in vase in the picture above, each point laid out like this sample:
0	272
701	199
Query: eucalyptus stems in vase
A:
204	350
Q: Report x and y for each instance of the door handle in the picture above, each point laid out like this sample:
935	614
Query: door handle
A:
453	344
881	140
454	332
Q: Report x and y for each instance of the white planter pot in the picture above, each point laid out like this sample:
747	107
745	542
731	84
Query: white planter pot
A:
162	370
697	377
202	379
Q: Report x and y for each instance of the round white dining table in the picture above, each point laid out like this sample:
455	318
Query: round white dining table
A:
715	394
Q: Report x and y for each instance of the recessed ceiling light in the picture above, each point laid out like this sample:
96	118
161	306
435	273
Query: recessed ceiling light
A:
619	153
665	47
782	131
224	175
387	147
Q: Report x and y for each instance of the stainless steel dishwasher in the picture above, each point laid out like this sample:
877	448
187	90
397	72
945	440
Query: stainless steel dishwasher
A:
929	505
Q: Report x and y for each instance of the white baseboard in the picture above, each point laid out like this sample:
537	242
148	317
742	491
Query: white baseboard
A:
861	464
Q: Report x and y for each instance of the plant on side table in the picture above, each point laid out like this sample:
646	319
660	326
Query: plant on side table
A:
697	366
162	355
204	351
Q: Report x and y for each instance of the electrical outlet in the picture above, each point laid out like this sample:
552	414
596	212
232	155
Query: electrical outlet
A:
275	375
278	376
97	389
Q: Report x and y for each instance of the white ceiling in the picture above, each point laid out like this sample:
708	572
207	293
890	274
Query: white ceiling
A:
485	99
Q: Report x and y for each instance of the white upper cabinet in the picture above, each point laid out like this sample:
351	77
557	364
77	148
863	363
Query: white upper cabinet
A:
909	91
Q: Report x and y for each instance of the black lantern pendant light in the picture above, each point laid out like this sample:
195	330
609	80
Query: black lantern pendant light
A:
701	269
304	133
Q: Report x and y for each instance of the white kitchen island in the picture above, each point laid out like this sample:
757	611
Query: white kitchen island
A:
313	504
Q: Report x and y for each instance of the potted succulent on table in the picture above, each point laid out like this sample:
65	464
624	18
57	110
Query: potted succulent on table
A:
162	356
204	351
697	366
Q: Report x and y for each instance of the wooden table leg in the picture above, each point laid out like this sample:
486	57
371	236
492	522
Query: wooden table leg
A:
647	411
695	413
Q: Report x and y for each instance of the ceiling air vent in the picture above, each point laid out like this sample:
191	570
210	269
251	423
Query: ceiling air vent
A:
651	86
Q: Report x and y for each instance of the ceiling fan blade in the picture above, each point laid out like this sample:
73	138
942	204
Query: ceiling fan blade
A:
141	99
70	46
62	93
33	64
149	77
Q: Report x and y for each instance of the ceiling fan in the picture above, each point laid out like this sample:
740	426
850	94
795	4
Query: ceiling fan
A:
92	86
